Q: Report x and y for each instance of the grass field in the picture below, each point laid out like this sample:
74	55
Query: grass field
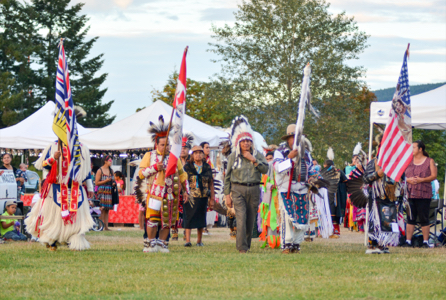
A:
115	267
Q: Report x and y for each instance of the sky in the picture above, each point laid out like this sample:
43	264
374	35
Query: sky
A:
143	41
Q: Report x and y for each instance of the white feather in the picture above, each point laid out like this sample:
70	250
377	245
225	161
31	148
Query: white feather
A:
330	154
357	149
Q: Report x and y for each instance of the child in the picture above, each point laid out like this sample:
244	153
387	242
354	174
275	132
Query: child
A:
120	183
10	228
21	173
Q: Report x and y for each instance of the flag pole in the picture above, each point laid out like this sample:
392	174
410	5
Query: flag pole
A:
171	117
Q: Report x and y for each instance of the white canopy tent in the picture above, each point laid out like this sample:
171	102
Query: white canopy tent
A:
428	110
131	132
35	132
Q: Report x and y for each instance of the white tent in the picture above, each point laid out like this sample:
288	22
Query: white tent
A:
131	132
35	132
428	110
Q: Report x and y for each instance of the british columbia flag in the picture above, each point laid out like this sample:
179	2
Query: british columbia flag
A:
395	153
64	122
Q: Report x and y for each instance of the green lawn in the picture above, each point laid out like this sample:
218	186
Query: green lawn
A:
117	268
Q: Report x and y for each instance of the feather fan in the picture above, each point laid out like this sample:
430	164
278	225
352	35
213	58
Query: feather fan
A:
332	176
358	189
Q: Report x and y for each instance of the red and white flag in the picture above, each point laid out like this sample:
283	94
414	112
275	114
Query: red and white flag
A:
179	105
396	152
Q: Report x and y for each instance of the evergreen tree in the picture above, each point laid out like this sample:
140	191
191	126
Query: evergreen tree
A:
16	46
59	20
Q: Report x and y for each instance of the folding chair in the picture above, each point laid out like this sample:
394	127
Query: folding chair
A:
435	209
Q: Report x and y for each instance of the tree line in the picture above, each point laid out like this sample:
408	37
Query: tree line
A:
262	56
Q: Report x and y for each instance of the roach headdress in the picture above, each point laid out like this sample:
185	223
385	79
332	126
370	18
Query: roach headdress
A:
270	148
158	130
188	140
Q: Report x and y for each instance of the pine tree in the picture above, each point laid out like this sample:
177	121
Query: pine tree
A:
57	19
15	72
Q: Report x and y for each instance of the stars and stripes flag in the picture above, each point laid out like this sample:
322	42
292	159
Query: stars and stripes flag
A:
179	105
395	153
65	128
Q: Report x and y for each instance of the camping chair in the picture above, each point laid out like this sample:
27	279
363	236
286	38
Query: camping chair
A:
436	208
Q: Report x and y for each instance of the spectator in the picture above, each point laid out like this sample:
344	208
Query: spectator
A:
435	188
7	159
211	215
10	229
269	156
120	182
420	173
316	167
105	182
201	183
207	152
21	173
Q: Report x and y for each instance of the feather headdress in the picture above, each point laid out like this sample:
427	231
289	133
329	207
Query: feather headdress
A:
188	140
330	154
158	130
357	149
308	144
240	131
362	156
79	112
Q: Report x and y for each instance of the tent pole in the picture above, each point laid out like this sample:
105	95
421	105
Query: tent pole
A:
127	180
366	229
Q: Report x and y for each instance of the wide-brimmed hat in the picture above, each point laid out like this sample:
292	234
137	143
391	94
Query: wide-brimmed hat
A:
197	148
290	131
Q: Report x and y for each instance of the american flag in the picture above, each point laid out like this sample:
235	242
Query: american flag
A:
64	123
396	153
179	105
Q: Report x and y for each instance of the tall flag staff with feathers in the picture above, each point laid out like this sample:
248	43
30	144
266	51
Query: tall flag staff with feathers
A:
395	153
305	97
65	128
179	108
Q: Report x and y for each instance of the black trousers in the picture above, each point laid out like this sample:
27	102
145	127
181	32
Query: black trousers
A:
420	209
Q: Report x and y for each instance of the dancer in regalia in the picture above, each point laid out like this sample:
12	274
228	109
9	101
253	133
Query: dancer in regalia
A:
369	185
334	176
291	184
62	214
162	193
269	207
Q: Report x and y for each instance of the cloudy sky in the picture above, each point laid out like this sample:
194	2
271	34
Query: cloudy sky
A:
143	41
